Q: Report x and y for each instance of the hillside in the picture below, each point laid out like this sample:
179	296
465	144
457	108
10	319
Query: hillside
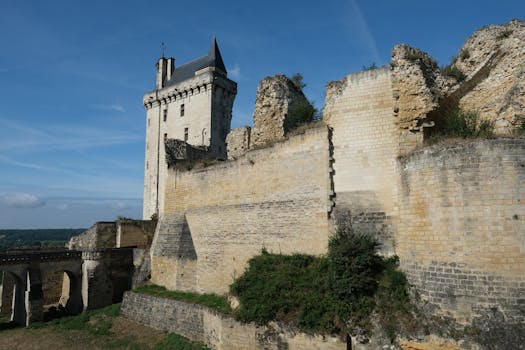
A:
36	238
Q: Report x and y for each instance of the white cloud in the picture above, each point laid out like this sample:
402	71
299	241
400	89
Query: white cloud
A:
119	205
63	206
113	107
22	200
235	72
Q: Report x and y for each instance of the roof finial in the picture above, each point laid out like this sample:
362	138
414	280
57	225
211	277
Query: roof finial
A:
163	49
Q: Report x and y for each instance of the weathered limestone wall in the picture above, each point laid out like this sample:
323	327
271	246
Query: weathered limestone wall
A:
135	233
218	217
360	109
461	236
217	331
238	141
276	97
100	235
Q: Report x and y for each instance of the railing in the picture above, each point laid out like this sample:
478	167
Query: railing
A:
18	258
43	256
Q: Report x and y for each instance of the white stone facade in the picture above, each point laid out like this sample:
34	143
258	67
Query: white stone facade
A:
197	110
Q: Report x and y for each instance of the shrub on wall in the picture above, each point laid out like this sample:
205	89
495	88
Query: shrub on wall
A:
457	123
301	113
336	293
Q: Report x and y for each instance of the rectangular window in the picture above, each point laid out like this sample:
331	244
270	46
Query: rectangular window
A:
182	110
165	137
164	115
186	132
148	121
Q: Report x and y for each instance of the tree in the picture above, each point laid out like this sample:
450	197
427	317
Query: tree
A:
297	80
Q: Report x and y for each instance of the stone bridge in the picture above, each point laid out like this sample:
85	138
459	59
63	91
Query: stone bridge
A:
66	281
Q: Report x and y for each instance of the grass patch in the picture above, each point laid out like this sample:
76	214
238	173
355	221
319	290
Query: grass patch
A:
464	54
336	293
97	322
457	123
452	71
212	301
177	342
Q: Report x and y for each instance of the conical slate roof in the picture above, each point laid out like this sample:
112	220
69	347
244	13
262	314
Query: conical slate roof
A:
187	70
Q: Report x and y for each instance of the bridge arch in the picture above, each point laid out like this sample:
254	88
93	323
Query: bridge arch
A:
13	296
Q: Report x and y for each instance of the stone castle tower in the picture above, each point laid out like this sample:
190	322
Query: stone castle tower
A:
192	103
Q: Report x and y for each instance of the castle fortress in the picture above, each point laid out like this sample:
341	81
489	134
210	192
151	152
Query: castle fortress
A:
454	212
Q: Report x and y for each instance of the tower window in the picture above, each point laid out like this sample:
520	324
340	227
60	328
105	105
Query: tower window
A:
182	110
165	137
186	132
149	122
165	114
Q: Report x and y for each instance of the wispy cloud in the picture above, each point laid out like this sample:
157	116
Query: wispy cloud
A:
360	30
63	206
19	137
235	72
113	107
22	200
27	165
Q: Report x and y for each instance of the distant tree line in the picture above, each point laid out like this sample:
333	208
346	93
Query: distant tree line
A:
36	238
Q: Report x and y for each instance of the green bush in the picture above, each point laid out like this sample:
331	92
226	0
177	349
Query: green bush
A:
355	266
329	294
466	124
298	114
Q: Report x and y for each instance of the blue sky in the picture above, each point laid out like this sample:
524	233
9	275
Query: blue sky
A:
72	76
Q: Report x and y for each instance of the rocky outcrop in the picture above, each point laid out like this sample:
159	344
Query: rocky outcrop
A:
276	96
493	59
417	85
238	141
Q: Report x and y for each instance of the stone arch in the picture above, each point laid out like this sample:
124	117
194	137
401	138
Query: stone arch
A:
74	304
61	288
16	297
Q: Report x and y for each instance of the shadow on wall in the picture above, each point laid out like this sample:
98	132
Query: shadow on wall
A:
362	209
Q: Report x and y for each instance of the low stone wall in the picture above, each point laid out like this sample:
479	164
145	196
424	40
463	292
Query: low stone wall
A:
217	331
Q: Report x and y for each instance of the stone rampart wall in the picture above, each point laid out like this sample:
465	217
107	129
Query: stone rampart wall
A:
461	232
218	217
359	108
216	331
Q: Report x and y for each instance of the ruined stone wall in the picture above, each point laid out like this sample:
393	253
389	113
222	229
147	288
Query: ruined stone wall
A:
360	109
238	141
276	97
218	217
217	331
135	233
461	236
100	235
